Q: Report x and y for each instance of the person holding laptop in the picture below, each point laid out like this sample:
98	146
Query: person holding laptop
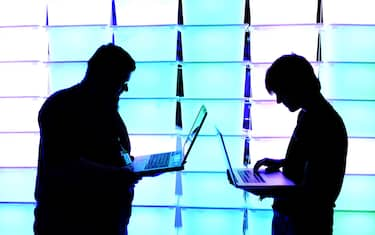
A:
83	185
316	156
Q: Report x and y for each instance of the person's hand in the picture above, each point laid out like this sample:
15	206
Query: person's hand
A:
272	165
130	175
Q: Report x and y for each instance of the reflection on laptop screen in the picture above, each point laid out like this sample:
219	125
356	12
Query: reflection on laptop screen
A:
194	129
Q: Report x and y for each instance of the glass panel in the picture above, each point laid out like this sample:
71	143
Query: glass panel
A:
214	80
153	80
269	43
64	47
148	116
16	219
161	188
64	75
358	117
22	12
152	221
348	81
360	159
344	221
206	154
146	12
213	12
12	155
265	122
215	43
23	44
357	193
209	190
149	43
23	79
19	115
267	147
17	185
82	12
349	12
230	125
211	222
348	43
283	12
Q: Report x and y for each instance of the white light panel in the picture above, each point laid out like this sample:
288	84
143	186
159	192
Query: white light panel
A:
23	44
23	79
272	120
269	43
82	12
146	12
19	115
349	12
22	12
265	12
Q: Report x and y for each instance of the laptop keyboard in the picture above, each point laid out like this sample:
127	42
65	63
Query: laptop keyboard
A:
158	160
249	177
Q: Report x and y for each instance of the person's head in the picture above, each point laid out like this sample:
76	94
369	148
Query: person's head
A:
292	79
109	70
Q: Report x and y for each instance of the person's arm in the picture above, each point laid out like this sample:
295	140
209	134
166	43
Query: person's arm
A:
272	165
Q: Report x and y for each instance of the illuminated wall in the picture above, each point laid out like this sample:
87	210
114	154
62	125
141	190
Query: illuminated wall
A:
188	53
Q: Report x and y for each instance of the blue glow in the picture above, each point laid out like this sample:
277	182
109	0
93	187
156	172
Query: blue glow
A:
211	222
148	116
358	116
348	81
214	80
213	12
348	223
217	110
213	43
153	80
17	185
348	44
64	75
148	43
80	47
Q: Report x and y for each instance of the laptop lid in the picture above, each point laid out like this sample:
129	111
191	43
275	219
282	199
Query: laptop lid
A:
177	158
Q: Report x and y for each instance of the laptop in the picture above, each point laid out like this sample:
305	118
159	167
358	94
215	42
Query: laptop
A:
153	164
244	178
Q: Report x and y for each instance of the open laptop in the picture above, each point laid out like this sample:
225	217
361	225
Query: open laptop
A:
245	179
149	165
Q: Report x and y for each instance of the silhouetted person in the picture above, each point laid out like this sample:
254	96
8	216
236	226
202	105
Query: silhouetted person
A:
316	156
83	186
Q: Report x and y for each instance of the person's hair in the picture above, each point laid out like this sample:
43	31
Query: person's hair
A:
107	60
291	72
